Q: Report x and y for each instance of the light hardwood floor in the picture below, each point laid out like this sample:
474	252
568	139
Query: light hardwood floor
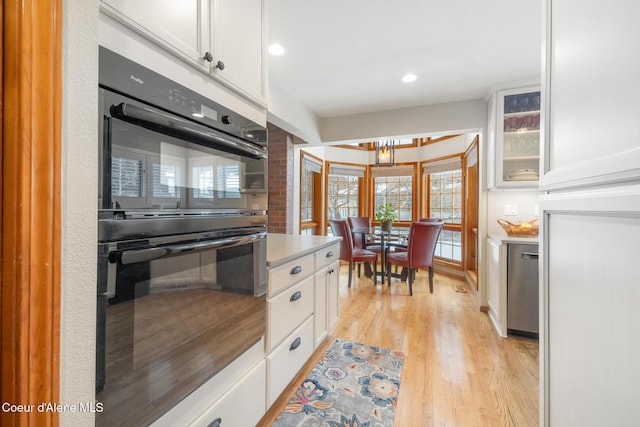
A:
457	371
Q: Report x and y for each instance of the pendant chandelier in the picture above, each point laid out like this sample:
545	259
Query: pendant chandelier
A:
385	153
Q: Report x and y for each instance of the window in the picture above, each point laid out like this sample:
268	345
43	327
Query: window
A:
165	179
394	185
443	181
343	191
228	181
214	179
202	182
445	196
310	194
128	178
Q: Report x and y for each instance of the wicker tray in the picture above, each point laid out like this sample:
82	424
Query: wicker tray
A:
521	229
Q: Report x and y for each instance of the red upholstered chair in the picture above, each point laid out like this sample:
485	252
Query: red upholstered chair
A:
420	251
360	224
348	252
430	220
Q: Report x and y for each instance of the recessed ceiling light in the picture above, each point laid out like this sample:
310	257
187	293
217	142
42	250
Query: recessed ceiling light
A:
408	78
276	50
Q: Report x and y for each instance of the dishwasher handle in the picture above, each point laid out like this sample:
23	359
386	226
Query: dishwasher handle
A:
529	255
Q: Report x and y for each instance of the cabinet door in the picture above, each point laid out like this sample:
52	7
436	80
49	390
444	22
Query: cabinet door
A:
333	294
179	27
320	307
517	137
243	405
496	289
286	360
326	302
238	46
592	107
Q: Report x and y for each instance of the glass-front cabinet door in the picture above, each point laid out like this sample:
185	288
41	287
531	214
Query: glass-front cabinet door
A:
518	137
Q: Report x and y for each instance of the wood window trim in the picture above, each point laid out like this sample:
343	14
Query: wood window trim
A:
317	195
429	140
31	208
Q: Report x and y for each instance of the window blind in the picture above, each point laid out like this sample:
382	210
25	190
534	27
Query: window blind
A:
311	164
392	171
442	166
346	170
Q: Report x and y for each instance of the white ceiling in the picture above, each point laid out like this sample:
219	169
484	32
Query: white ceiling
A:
348	56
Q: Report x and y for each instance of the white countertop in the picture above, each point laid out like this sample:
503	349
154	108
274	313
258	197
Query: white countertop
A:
282	248
504	238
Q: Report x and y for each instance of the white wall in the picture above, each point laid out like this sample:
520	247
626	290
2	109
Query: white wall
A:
289	114
454	117
526	202
286	112
79	202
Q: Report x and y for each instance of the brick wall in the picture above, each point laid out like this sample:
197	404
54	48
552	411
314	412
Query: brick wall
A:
280	175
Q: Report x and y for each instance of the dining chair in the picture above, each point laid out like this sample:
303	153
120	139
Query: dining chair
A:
360	226
429	220
349	252
400	247
421	248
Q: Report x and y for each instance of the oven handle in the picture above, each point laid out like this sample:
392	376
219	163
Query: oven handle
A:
149	254
178	127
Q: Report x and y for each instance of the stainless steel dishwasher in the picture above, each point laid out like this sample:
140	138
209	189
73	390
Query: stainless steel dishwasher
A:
522	289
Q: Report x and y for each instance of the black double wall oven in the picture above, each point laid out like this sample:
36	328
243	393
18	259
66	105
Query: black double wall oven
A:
181	241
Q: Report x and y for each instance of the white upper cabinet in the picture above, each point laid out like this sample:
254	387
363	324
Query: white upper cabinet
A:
592	129
222	38
515	136
238	46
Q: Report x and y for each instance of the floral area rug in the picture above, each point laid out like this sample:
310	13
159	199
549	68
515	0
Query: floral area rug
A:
353	385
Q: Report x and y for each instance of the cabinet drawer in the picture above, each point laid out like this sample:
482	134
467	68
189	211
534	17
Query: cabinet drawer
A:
283	276
287	359
287	310
243	405
327	255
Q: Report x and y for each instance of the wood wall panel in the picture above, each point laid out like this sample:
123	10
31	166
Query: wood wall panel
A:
31	147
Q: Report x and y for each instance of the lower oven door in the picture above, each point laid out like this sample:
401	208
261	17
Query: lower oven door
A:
172	312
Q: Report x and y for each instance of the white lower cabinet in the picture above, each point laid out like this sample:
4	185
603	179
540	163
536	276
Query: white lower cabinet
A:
326	302
285	361
302	306
497	284
233	409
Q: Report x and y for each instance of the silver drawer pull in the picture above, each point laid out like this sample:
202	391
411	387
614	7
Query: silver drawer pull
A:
295	270
296	296
295	344
216	423
329	254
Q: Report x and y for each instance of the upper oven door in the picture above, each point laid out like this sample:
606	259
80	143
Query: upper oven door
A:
151	159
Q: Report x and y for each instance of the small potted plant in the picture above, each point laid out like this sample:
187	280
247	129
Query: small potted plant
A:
386	214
